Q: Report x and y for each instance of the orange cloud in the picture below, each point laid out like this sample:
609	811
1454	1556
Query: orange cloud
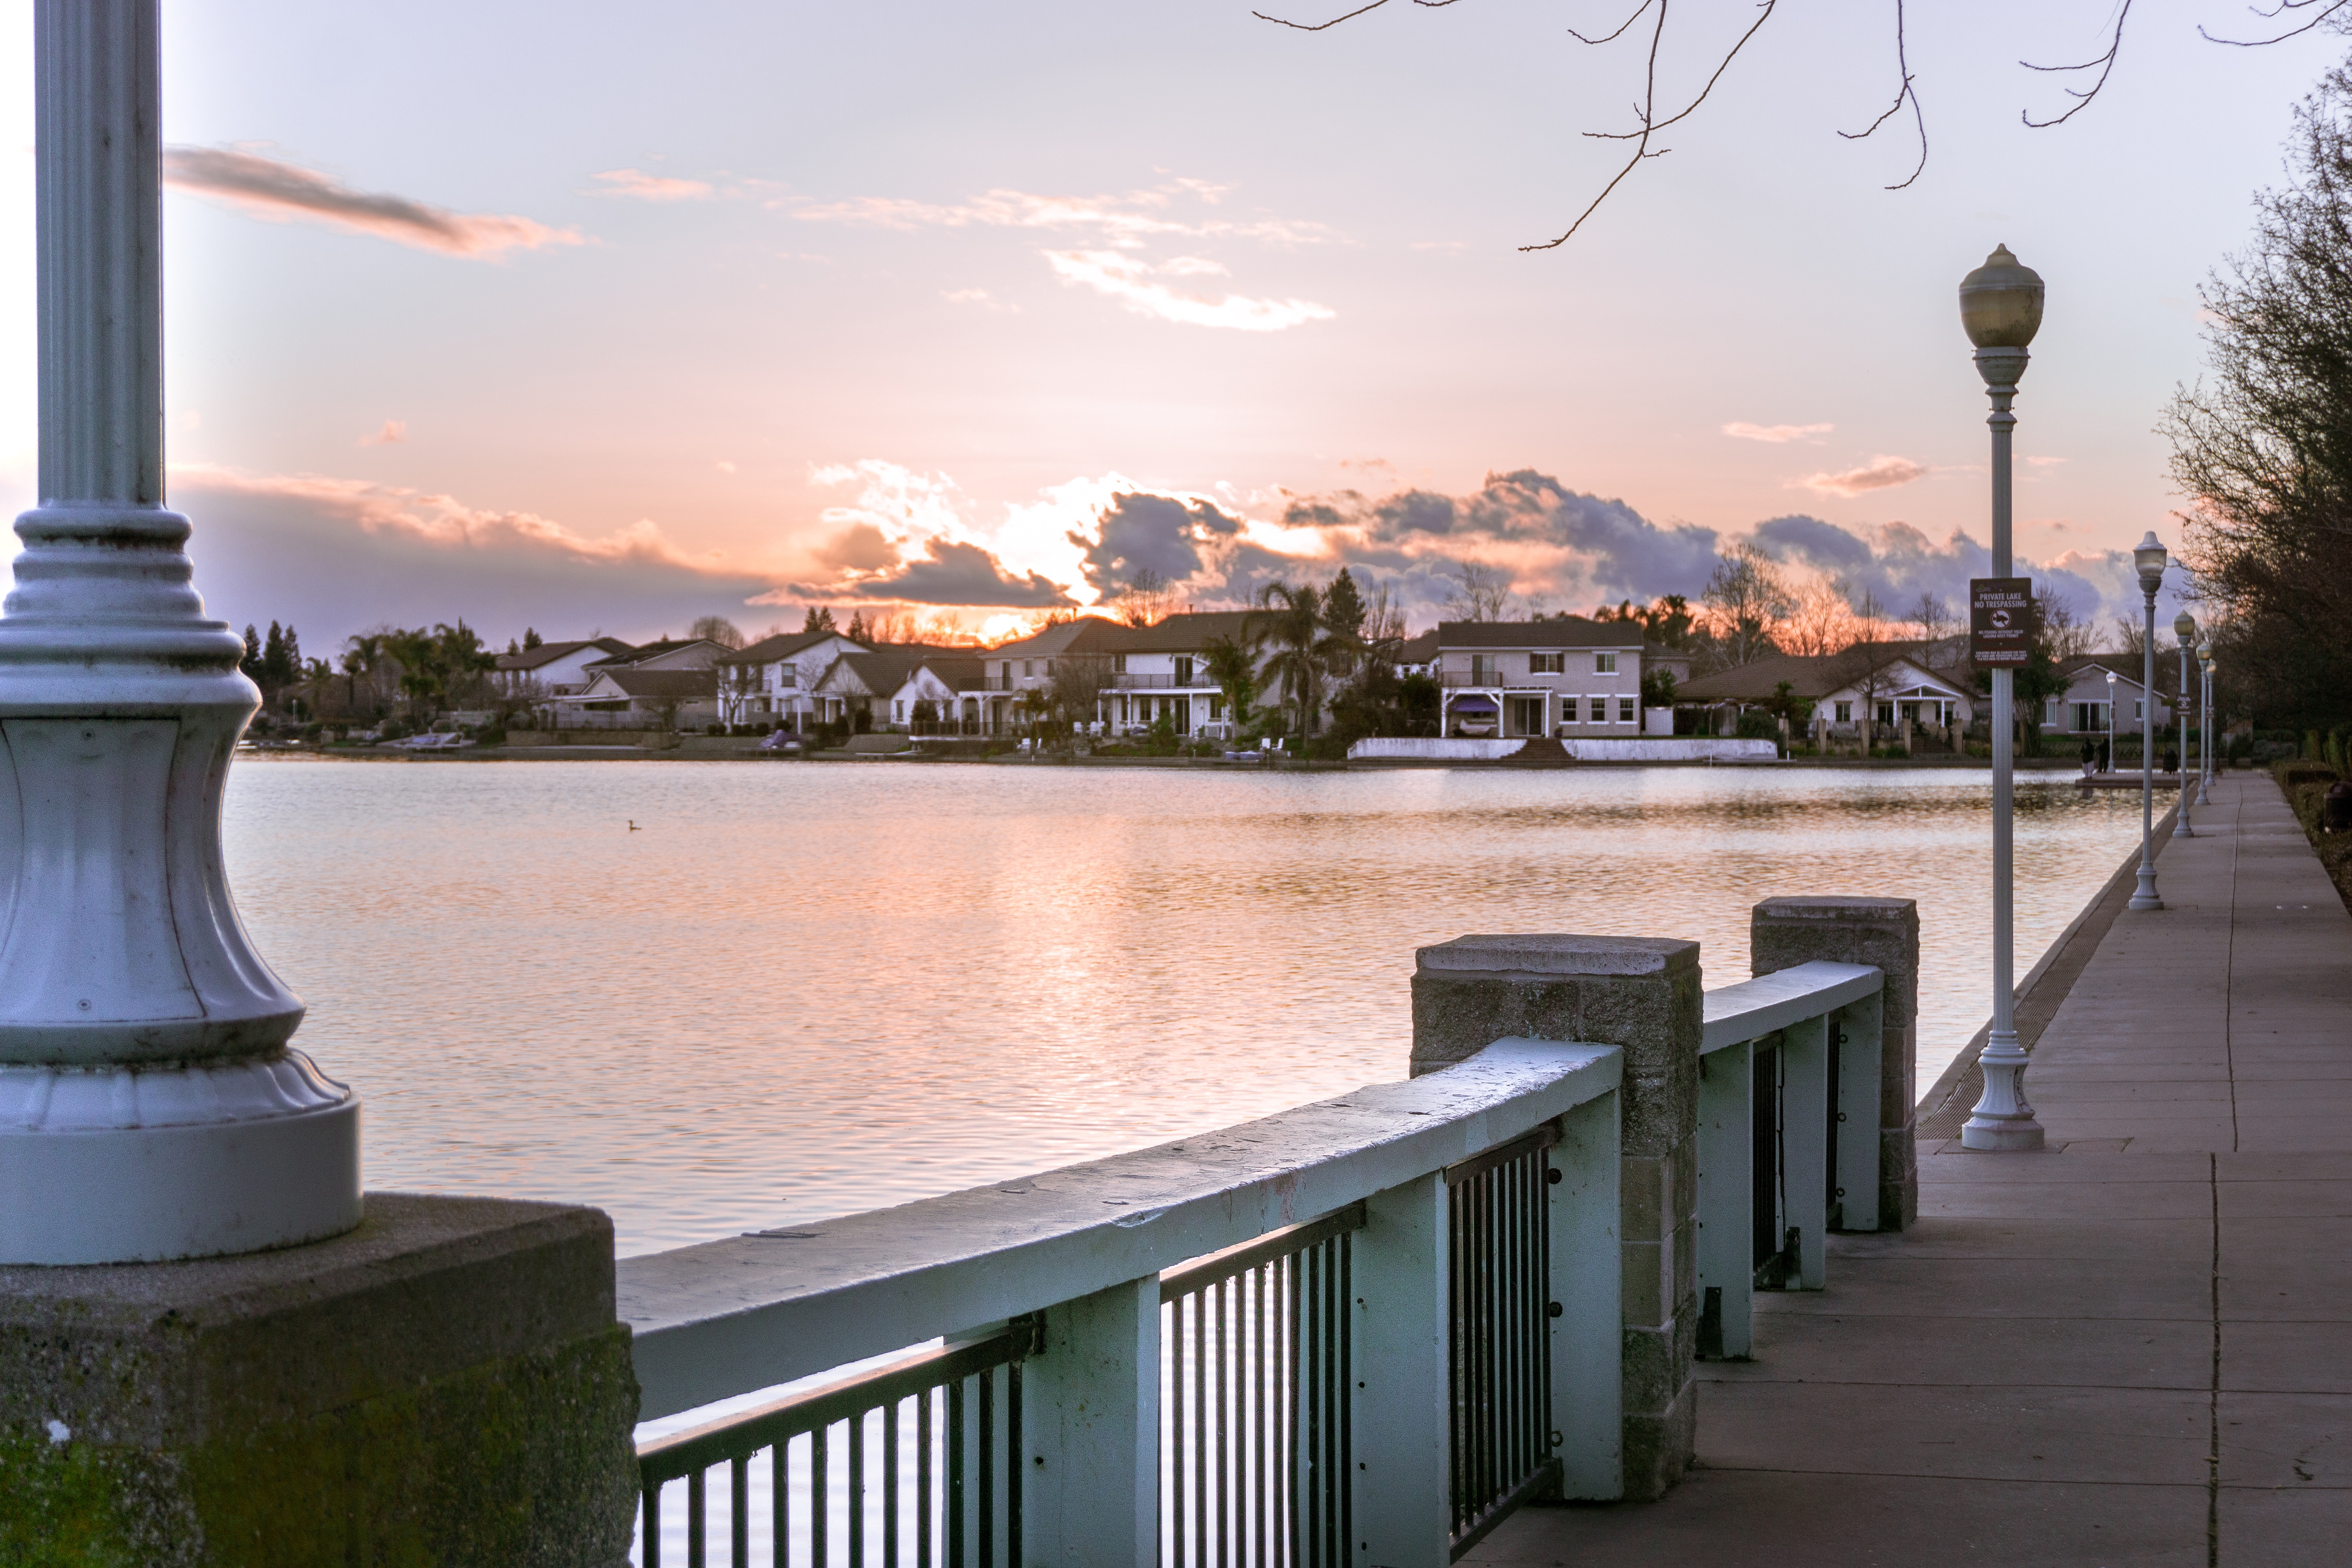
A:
1744	431
1881	473
269	188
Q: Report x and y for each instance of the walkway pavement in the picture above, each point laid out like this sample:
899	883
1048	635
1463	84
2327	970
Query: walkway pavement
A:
2132	1348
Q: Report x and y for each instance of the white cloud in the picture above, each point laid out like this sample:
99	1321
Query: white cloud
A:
1746	432
1130	281
1124	221
636	184
1880	473
393	432
979	297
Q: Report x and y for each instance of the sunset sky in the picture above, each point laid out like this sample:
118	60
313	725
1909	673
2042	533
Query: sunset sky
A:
597	318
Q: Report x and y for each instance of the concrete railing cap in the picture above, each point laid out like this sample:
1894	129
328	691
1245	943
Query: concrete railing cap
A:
1551	954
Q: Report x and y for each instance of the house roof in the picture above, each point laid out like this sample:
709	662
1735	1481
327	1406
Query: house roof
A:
1186	633
775	649
2126	666
1560	631
1048	641
664	685
1656	652
885	667
547	653
1813	675
957	671
652	650
1416	650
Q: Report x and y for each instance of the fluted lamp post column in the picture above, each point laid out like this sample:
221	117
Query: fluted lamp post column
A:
2111	722
2184	631
2000	306
2147	560
149	1105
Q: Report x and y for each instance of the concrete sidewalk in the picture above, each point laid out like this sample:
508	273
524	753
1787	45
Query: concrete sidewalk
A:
2134	1348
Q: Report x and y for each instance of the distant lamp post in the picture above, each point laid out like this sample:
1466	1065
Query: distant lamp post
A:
2184	631
2205	786
2148	561
2001	307
2111	720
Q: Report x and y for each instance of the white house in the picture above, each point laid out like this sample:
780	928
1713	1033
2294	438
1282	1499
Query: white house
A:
1875	686
630	698
2083	707
1562	676
775	678
945	694
554	668
1163	671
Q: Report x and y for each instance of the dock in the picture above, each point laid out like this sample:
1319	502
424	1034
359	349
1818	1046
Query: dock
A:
2133	1347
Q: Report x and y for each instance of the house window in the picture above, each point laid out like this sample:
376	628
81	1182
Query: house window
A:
1567	710
1183	671
2140	712
2090	716
1118	664
1483	670
1604	663
1216	709
786	674
1886	713
1546	663
899	711
1598	708
1845	712
1626	710
1024	669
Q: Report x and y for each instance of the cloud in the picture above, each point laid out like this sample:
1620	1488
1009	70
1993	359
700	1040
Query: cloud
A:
1172	535
336	555
1124	221
1746	432
1880	473
393	432
636	184
978	297
1128	280
953	574
269	188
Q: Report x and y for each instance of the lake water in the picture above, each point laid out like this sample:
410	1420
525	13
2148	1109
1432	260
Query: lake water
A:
799	990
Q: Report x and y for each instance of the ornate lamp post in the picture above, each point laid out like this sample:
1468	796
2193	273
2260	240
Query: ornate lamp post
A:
150	1107
2184	632
2000	306
2147	560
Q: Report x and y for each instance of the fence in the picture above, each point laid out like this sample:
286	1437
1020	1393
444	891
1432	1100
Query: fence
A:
1388	1319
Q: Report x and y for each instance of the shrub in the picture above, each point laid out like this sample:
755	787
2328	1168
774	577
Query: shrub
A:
2292	773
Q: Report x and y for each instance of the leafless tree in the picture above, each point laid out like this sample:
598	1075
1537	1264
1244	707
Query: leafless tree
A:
1482	592
1080	678
718	630
1383	619
1652	115
1147	598
1747	598
2066	634
1818	621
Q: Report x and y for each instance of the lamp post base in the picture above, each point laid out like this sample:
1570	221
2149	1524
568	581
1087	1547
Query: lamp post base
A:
2144	897
2002	1123
114	1167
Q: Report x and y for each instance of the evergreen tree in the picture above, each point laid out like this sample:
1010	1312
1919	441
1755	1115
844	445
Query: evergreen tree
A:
512	650
818	619
531	640
251	663
856	632
1343	607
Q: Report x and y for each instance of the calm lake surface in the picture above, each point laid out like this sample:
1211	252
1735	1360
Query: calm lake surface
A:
801	990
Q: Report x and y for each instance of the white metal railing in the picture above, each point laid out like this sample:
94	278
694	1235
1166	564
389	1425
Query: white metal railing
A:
1387	1319
1080	1254
1787	1136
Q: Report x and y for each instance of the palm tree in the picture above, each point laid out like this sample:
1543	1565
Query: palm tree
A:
1290	621
1233	665
362	653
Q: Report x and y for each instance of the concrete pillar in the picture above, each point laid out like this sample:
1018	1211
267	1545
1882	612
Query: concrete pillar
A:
446	1383
1641	994
1783	932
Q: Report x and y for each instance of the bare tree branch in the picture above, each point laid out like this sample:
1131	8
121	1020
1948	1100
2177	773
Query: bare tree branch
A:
1902	93
1318	27
1612	37
2283	6
2104	64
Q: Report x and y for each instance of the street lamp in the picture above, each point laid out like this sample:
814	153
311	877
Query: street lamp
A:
2001	307
2147	560
2184	631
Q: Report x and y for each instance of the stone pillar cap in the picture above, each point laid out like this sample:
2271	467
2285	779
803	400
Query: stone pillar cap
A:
1536	953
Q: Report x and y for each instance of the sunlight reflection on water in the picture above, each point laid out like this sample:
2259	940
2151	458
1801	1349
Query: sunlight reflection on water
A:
804	990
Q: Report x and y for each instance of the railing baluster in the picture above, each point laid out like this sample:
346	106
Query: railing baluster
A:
780	1502
695	1502
652	1538
987	1430
820	1500
923	1502
856	1493
738	1511
1014	1470
955	1511
891	1413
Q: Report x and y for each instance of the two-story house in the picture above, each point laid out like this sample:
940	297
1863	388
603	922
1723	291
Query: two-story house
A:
1563	676
2104	689
1163	671
775	678
1024	665
553	668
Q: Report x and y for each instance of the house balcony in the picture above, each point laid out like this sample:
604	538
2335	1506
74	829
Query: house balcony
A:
1124	682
